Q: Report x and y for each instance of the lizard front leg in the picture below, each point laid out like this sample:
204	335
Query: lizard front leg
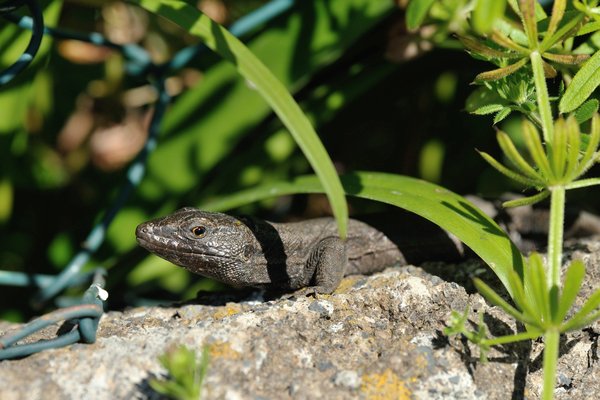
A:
327	264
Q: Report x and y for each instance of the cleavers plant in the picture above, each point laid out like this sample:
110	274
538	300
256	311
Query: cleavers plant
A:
528	47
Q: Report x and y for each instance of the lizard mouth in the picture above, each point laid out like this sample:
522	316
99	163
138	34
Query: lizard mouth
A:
167	248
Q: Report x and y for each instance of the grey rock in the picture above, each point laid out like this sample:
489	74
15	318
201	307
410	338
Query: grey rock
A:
380	335
347	379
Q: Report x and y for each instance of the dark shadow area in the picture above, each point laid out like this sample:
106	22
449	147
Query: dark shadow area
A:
272	248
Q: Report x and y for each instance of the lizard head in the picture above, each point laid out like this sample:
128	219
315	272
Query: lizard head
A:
210	244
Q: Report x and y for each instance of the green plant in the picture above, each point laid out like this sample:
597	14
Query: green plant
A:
185	373
527	51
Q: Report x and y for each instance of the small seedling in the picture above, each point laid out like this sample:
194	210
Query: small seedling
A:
185	373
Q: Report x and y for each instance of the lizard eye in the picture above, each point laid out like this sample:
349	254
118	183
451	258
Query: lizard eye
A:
199	231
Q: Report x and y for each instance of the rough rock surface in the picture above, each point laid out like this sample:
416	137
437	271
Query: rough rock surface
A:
376	337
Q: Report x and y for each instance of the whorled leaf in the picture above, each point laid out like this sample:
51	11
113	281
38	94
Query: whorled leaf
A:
586	110
585	81
569	59
501	72
572	283
501	115
476	46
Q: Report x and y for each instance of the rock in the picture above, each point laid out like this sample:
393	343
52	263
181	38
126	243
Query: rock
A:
376	337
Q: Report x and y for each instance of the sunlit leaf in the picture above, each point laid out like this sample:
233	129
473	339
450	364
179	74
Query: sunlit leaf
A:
536	280
535	148
501	115
520	297
572	283
513	155
585	81
568	26
558	156
586	110
508	172
577	320
558	10
527	8
573	149
498	301
488	109
526	201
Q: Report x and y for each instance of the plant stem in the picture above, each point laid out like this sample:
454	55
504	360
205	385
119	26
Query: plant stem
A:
543	99
551	342
512	338
555	234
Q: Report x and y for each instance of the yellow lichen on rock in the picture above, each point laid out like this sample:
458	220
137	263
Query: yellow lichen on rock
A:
384	386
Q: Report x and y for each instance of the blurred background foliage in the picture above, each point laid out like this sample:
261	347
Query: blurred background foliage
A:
381	97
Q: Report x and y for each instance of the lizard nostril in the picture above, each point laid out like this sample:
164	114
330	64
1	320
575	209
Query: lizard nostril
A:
141	229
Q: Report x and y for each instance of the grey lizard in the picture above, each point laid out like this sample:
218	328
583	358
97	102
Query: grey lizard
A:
247	251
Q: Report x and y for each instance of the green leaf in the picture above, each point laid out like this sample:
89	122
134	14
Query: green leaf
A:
569	59
589	28
527	8
572	283
486	12
536	282
416	12
475	46
593	139
585	81
488	109
583	183
574	145
586	110
508	172
498	301
535	148
496	74
440	206
568	27
501	115
558	10
481	97
558	156
220	40
526	201
520	297
510	151
501	39
583	314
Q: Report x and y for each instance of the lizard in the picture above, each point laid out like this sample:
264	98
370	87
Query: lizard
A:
248	251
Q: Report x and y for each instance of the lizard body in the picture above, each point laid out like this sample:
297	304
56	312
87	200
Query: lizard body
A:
246	251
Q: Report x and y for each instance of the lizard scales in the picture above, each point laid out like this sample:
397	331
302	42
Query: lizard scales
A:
247	251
